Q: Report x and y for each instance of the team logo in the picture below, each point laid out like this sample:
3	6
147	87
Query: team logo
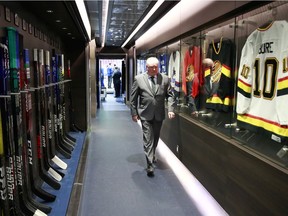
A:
216	72
190	73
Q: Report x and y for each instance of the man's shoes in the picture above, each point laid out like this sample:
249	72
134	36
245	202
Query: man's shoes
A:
150	171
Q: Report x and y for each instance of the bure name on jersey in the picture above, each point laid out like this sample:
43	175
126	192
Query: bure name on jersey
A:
266	48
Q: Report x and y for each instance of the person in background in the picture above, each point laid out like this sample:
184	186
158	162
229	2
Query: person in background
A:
109	74
147	104
102	77
117	81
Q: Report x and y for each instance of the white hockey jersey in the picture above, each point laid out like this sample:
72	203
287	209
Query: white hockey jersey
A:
174	70
262	95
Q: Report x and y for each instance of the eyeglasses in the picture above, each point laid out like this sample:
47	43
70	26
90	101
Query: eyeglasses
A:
152	67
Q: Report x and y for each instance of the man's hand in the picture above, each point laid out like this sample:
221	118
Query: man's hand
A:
171	115
135	118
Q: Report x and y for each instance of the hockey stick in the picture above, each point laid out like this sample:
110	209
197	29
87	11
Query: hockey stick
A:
34	177
51	151
68	76
13	204
14	43
51	135
26	158
59	95
55	93
44	122
39	125
59	99
7	130
11	122
3	189
62	102
41	209
4	204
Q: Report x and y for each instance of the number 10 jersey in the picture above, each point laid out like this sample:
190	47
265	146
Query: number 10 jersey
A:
262	93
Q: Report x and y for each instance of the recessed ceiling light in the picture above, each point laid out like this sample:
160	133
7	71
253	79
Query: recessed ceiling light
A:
58	21
64	28
49	11
69	33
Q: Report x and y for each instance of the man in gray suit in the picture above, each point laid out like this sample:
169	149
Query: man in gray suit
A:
147	103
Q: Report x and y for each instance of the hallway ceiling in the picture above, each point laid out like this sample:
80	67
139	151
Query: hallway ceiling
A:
122	19
64	18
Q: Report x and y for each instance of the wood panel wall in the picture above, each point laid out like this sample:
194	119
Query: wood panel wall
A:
243	182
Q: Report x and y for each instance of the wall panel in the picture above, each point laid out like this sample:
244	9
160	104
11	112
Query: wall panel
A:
243	183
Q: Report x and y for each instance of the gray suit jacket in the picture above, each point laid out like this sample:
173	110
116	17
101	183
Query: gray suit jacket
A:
146	104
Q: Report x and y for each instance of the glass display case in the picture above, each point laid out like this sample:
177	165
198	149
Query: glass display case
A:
141	65
233	77
261	119
213	86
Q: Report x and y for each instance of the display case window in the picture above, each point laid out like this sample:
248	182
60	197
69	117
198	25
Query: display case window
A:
141	66
233	77
262	120
208	76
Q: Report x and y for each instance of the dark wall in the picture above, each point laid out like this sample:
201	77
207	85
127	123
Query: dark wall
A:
131	68
171	136
78	86
46	39
243	182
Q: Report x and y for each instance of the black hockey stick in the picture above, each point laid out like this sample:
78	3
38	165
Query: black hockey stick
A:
61	148
39	125
4	208
26	108
64	143
34	177
61	75
50	120
4	205
15	42
44	122
7	128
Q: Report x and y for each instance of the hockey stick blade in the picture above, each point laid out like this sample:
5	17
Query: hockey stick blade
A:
70	137
60	163
55	175
38	191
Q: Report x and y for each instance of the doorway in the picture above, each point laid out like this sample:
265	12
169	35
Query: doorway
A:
111	79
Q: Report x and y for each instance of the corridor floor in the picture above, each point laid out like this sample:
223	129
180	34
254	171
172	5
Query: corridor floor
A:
115	181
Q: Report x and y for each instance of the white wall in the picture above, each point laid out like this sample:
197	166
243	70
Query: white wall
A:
185	16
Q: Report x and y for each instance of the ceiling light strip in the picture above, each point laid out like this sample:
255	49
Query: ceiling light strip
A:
83	13
150	13
105	5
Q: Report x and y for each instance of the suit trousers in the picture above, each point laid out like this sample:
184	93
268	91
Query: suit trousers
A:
151	133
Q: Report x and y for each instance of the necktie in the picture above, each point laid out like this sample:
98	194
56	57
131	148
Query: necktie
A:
153	84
